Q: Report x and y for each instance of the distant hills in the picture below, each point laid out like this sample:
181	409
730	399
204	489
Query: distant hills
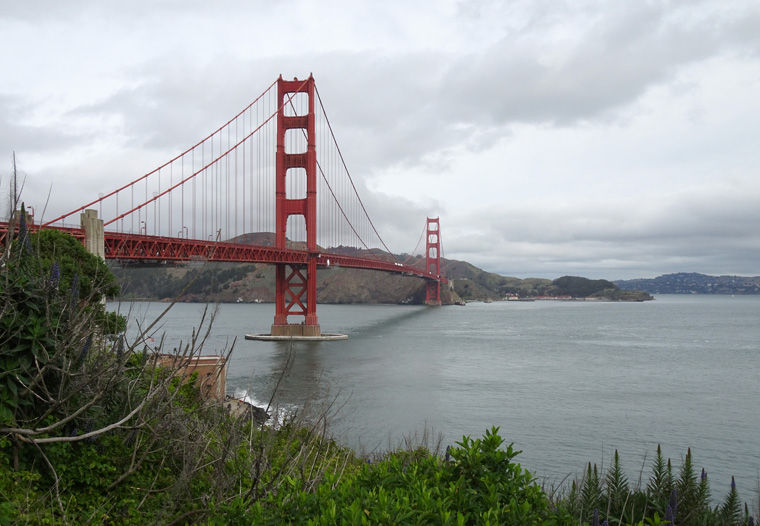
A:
474	284
249	282
228	282
254	283
693	283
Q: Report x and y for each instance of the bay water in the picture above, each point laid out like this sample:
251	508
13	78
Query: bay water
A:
567	382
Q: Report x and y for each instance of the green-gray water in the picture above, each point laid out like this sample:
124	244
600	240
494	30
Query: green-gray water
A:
568	382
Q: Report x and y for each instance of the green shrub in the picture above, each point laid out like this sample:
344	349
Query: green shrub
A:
684	501
477	483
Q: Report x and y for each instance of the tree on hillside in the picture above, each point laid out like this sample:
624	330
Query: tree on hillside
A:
579	287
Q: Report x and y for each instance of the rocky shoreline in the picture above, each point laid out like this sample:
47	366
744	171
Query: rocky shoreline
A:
245	410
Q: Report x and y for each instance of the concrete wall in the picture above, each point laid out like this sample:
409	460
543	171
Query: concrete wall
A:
212	372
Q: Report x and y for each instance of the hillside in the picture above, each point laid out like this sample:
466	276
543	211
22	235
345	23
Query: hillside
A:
249	283
474	284
693	283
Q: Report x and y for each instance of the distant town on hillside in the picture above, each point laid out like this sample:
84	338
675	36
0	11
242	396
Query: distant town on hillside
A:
693	283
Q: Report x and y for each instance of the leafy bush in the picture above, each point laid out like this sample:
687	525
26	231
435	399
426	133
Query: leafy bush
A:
52	327
475	483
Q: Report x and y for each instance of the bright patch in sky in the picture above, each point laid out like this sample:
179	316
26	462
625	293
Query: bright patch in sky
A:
606	139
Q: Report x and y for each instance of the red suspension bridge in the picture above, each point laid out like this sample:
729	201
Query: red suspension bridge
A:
273	168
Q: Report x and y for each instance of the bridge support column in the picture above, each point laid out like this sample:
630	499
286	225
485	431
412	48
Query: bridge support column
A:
296	285
94	233
433	262
296	296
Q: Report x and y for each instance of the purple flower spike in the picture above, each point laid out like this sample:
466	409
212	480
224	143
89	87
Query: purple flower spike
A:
85	349
447	456
22	222
23	232
670	516
733	484
74	292
55	276
595	519
703	476
751	521
673	503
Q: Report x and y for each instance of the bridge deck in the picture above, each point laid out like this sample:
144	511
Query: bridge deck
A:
147	248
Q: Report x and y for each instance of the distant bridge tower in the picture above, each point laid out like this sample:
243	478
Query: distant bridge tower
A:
433	262
296	284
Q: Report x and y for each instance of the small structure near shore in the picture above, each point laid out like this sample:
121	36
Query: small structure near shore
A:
212	372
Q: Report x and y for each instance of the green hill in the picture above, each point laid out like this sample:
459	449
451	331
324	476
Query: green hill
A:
254	282
248	283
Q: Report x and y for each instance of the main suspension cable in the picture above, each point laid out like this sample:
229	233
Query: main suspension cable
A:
422	235
343	161
100	199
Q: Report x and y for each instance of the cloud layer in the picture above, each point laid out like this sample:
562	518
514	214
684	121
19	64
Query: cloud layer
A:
608	139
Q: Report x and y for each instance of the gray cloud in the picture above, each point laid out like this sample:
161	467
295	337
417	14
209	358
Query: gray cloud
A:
399	109
616	61
710	229
16	134
423	104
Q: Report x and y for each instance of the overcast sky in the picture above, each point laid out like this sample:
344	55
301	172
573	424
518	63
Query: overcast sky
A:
608	139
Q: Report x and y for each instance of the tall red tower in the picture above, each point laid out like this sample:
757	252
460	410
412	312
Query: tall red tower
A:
296	284
433	262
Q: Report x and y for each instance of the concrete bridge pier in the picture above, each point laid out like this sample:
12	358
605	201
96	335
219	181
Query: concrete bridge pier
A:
94	233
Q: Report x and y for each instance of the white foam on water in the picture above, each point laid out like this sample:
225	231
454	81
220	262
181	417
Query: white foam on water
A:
278	414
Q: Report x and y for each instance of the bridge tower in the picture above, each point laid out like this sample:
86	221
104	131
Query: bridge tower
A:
296	284
433	261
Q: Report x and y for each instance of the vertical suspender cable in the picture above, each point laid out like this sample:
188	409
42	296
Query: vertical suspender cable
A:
182	207
219	191
171	199
203	192
211	191
227	185
236	179
195	234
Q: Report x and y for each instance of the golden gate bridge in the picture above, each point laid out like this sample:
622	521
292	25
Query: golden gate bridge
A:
275	167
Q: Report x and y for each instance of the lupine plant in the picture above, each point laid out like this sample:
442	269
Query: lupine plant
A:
681	501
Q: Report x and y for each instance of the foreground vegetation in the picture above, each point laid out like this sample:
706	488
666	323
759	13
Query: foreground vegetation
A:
94	431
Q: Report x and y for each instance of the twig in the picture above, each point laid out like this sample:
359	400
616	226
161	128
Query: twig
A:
55	484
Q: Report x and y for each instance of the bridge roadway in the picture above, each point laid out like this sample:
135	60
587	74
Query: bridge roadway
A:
158	249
